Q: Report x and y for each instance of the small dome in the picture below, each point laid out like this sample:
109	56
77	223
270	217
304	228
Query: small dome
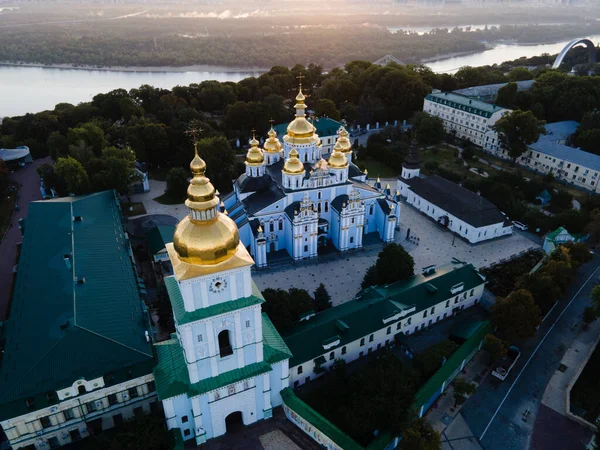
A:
338	160
346	146
293	165
272	144
255	156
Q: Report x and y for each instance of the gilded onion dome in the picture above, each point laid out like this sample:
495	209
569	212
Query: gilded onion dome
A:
344	141
255	156
205	236
272	144
293	165
338	160
300	130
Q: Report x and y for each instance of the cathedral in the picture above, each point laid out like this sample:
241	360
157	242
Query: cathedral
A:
226	364
295	198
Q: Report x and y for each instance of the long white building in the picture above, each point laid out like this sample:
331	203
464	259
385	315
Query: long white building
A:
464	117
77	358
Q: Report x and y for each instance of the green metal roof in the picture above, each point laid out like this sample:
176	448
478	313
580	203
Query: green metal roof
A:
275	349
324	125
182	316
61	330
172	376
435	382
463	103
159	236
364	314
318	421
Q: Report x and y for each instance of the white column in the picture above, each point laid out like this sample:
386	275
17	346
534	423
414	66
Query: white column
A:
239	342
212	349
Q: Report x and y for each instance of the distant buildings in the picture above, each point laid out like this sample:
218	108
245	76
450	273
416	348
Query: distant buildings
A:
463	117
489	92
77	357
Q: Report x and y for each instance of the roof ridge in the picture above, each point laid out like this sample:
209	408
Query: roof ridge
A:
112	340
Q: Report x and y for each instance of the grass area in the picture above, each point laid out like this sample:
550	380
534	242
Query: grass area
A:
158	174
378	169
137	209
7	207
166	200
585	395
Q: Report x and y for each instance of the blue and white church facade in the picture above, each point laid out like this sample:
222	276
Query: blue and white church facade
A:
292	199
226	362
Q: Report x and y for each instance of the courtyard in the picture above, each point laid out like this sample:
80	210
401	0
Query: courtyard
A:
343	275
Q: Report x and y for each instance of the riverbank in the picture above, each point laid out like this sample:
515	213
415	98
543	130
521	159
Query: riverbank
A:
453	55
160	69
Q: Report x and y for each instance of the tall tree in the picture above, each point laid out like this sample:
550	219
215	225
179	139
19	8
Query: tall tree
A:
74	175
177	183
322	298
516	316
517	130
430	129
494	346
393	264
420	435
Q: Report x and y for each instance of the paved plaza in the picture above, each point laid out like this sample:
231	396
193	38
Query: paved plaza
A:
342	276
157	188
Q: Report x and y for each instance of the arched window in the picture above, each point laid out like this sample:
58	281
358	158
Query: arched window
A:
326	206
289	183
352	239
318	207
306	157
297	182
224	344
81	389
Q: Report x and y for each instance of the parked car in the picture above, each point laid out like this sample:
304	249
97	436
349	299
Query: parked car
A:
520	226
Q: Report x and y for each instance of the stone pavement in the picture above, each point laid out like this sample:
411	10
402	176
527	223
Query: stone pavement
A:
342	276
157	188
28	192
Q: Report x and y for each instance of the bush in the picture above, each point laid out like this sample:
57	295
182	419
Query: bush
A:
428	362
177	183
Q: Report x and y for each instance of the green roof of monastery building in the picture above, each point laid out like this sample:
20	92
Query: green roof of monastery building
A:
76	311
324	125
367	312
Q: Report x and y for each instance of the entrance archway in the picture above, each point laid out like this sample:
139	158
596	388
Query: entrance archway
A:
234	422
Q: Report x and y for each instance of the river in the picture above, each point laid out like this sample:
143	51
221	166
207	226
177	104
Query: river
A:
26	89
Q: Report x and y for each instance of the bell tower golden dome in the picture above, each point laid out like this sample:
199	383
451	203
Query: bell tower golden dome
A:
300	130
206	240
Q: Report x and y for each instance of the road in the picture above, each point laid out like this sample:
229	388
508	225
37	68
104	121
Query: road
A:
495	411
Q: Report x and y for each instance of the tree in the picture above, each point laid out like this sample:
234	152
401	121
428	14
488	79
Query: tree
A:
393	264
429	129
520	74
119	169
579	253
507	95
543	288
589	315
595	298
177	183
58	145
429	361
322	298
74	175
326	107
517	130
420	435
516	316
494	346
462	388
90	134
593	227
284	308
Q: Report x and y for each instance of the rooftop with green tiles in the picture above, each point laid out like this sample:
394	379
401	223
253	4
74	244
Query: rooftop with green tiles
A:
76	310
375	307
463	103
324	125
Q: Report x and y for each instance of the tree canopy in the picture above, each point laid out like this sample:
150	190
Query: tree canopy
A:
516	316
517	130
393	264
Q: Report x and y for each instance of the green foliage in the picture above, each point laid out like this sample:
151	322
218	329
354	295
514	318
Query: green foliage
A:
284	308
420	435
494	346
89	134
393	264
589	315
177	183
376	397
543	288
461	389
74	175
507	95
429	129
141	433
501	277
516	316
326	108
322	298
517	130
429	361
595	298
579	253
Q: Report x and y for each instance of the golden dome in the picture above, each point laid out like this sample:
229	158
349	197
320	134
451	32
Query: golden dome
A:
205	236
300	128
293	165
255	156
272	144
338	160
344	141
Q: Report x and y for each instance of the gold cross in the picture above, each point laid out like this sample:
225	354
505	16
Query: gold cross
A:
271	121
300	77
253	131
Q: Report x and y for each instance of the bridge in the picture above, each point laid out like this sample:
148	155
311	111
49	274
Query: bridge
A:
388	59
574	43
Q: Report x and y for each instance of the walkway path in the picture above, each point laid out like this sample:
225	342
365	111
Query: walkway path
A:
29	180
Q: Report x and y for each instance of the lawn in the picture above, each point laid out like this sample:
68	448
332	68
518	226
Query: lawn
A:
137	209
7	207
166	200
378	169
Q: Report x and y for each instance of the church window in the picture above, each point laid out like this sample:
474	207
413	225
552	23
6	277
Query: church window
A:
306	157
344	350
68	414
225	348
45	421
353	220
319	195
280	224
371	210
184	419
299	370
432	310
326	206
362	342
186	432
424	314
448	304
306	228
399	325
112	400
471	294
331	356
318	207
306	248
351	239
409	321
81	389
271	227
200	338
297	183
133	392
289	183
371	338
389	330
247	324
